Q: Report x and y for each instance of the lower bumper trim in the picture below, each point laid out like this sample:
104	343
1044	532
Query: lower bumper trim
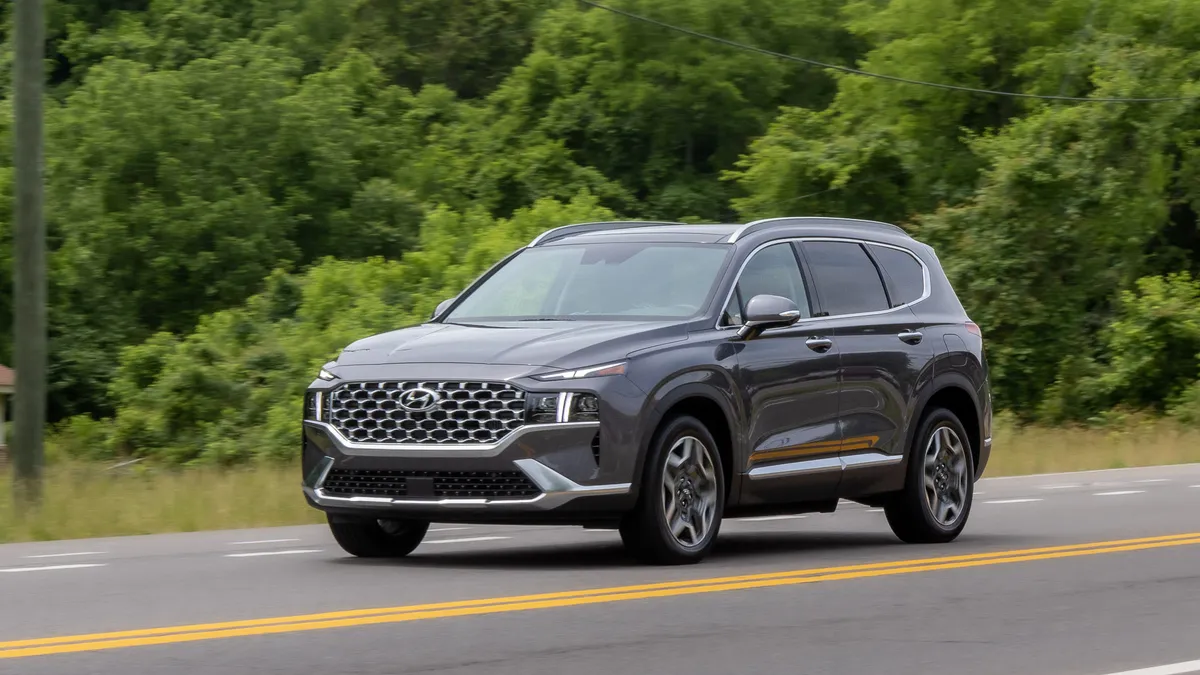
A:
556	488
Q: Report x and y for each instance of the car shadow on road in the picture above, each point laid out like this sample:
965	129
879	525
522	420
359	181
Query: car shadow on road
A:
734	546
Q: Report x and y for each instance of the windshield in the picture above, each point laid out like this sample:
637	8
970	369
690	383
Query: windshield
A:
603	280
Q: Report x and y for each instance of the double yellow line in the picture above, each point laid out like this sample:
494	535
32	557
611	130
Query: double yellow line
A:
366	617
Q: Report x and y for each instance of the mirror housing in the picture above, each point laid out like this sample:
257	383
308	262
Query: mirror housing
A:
768	311
442	306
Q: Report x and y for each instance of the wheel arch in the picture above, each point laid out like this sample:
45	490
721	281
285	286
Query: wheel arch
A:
712	405
952	391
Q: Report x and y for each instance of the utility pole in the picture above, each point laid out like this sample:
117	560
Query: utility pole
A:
29	275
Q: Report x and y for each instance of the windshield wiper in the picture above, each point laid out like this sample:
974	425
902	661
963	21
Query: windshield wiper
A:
548	318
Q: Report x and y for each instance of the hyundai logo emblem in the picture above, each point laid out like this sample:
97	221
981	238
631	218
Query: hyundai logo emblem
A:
418	400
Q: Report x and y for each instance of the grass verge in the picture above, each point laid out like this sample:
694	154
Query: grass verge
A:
1129	442
93	500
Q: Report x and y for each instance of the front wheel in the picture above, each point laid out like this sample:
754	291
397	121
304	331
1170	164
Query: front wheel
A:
371	538
682	497
936	500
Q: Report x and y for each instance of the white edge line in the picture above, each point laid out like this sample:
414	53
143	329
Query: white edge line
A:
1011	501
256	554
1170	669
447	529
1114	493
1153	480
47	568
763	519
261	541
63	555
1069	486
465	540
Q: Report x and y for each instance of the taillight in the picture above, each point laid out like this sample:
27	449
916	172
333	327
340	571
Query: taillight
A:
973	328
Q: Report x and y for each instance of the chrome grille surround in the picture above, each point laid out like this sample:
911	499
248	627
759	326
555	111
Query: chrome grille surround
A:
477	413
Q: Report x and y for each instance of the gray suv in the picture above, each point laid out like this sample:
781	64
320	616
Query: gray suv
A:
657	378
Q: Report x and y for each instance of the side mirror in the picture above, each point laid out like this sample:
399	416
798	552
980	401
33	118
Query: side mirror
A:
768	311
442	306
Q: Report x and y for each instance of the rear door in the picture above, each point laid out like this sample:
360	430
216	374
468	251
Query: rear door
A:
867	290
789	382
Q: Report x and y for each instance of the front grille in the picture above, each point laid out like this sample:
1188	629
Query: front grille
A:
438	484
462	412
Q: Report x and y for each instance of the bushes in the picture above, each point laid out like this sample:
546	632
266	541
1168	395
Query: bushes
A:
232	391
1148	356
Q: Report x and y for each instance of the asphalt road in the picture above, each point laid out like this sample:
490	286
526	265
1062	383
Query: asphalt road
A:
1071	574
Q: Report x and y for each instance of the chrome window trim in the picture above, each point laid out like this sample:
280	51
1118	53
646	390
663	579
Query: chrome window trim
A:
925	277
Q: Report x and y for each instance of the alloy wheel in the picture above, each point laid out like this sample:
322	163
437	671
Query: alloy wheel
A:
689	491
946	479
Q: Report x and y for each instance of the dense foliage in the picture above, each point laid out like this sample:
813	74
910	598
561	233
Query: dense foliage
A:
238	188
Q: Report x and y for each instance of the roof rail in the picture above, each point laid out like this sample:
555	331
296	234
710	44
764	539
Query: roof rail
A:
581	228
766	222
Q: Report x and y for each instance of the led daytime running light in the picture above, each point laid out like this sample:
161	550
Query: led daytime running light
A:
594	371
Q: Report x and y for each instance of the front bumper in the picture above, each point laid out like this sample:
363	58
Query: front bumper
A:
558	459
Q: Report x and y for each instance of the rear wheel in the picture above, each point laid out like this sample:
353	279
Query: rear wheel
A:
939	486
372	538
682	497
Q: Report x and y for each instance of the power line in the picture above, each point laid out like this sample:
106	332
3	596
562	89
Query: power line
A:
855	71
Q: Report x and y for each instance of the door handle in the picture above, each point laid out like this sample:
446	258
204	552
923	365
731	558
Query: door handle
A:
819	344
912	337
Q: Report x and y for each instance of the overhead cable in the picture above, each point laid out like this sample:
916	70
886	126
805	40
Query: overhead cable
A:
855	71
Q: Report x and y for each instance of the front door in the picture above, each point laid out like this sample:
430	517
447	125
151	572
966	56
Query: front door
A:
788	378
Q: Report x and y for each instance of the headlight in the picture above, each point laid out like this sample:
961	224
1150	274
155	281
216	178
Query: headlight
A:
543	408
326	375
594	371
562	407
314	406
582	408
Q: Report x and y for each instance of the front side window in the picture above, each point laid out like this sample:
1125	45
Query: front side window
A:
846	278
772	271
644	281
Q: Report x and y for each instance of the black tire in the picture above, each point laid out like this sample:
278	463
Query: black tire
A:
645	531
909	512
369	538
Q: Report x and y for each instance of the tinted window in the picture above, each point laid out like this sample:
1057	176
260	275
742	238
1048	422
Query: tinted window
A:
846	279
615	281
905	273
772	271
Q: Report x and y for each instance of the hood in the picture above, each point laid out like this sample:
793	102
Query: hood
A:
554	344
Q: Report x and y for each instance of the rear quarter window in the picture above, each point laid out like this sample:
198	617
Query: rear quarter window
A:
905	273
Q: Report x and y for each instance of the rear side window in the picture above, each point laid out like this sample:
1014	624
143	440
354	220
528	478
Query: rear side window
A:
772	271
905	273
846	279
